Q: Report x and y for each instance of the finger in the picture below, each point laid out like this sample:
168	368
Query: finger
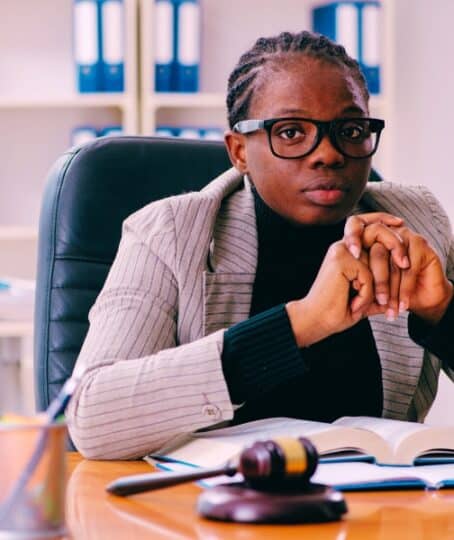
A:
364	258
376	309
394	287
391	239
355	225
379	264
408	282
365	289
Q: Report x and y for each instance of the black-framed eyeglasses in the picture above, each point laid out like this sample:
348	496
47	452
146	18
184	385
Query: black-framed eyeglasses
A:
294	138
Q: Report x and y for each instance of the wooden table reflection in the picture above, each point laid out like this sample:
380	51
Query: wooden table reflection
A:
93	514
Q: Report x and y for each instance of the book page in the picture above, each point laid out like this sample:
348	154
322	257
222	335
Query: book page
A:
266	428
392	431
214	447
362	475
407	440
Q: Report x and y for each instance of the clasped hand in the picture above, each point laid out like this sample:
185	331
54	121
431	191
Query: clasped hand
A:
379	267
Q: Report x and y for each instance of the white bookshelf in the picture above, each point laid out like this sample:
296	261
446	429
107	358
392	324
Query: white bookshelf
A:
39	102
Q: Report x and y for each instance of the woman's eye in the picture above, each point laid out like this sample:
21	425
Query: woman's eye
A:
290	133
353	132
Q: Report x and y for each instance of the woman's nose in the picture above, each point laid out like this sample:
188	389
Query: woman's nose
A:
326	154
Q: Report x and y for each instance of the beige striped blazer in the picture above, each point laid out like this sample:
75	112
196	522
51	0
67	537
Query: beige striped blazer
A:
184	273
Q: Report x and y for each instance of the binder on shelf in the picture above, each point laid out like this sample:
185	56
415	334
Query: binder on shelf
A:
110	131
82	135
370	45
111	16
164	46
86	39
187	24
212	134
355	25
190	132
165	131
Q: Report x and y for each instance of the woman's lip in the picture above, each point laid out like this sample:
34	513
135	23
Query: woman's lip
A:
325	197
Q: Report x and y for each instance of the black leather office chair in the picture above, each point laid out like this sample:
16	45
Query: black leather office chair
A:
90	191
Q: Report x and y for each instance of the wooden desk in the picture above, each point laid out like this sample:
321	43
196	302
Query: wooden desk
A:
93	514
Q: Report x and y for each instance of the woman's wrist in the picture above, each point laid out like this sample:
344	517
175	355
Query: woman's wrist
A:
434	314
305	327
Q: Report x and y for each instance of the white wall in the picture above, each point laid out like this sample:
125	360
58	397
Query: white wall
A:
423	118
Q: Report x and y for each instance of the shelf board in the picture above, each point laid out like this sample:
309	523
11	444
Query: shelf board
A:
69	101
17	233
16	328
160	100
186	100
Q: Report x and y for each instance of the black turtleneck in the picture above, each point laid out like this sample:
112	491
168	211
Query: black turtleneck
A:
263	366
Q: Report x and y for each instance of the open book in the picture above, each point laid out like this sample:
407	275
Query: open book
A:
385	441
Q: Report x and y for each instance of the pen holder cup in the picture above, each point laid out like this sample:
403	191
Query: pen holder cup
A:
32	481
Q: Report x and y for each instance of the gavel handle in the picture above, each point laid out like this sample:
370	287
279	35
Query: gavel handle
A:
137	483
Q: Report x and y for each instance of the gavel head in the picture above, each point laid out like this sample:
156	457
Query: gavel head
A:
281	463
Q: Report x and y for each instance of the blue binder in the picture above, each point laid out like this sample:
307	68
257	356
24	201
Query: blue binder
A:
110	131
187	24
111	15
82	135
164	46
166	131
355	25
370	45
86	40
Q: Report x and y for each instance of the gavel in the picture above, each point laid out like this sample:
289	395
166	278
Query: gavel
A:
278	464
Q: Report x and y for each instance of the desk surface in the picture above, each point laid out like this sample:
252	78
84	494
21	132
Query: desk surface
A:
93	514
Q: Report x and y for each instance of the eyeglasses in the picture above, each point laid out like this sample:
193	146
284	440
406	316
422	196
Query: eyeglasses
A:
294	138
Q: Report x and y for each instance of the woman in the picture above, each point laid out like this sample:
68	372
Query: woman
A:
252	297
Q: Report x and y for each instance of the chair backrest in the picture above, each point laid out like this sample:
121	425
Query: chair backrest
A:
90	191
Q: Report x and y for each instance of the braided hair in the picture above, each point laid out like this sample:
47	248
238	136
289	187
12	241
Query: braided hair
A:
241	83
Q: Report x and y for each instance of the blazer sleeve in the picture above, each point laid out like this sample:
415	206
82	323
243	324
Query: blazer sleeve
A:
444	233
140	388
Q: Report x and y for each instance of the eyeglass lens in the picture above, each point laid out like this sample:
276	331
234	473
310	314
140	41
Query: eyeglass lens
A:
295	138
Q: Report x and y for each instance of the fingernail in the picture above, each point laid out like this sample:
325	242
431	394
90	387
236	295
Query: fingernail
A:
382	299
406	262
390	316
355	251
403	307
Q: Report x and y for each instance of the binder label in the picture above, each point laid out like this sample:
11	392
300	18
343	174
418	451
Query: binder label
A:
86	32
163	31
112	36
347	24
189	33
371	38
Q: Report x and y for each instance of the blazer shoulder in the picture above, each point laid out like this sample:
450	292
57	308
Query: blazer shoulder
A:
405	200
174	213
416	204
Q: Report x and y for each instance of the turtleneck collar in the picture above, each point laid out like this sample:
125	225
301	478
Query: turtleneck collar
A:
276	233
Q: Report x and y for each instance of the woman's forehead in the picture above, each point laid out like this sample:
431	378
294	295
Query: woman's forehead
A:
308	84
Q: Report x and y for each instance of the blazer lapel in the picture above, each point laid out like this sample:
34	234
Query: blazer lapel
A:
232	263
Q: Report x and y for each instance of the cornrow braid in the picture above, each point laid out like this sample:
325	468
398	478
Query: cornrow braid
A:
240	87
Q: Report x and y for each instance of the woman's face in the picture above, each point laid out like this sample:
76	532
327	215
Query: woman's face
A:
324	186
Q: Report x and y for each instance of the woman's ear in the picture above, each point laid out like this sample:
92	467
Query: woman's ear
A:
236	148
